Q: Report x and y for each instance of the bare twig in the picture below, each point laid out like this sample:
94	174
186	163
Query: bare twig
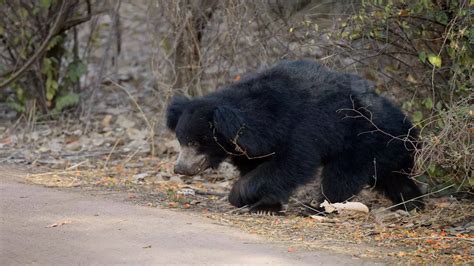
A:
103	63
237	147
419	197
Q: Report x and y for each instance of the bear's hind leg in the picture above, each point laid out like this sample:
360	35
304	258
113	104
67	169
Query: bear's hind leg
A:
401	189
342	179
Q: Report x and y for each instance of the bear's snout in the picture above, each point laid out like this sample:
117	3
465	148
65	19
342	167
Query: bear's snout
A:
190	162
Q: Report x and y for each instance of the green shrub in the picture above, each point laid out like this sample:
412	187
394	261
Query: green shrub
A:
425	51
40	65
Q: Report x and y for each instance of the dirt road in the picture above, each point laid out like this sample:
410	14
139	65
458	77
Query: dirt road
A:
98	228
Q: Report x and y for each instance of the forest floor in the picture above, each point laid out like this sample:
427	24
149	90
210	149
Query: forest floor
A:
442	233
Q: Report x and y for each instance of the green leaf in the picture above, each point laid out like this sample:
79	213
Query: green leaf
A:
435	60
15	106
428	102
45	3
441	17
65	101
76	70
417	116
51	88
23	13
422	56
431	169
440	123
53	42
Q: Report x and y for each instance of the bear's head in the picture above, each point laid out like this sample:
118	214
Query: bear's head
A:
205	130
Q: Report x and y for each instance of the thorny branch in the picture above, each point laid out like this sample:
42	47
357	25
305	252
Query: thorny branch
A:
405	139
238	148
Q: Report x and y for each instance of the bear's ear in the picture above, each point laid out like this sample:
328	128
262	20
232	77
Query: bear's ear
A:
174	111
228	122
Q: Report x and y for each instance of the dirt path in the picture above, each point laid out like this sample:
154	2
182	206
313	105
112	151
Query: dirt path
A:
104	229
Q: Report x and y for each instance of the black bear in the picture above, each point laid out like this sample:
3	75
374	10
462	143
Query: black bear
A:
279	126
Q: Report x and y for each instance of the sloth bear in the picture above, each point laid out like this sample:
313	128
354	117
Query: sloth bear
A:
279	126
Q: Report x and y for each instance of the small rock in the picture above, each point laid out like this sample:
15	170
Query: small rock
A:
134	165
77	132
409	225
225	184
124	122
194	202
136	134
74	146
115	111
168	147
175	179
98	141
159	178
140	178
186	192
55	145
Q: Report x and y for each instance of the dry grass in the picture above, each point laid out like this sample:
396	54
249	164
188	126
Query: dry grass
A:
448	149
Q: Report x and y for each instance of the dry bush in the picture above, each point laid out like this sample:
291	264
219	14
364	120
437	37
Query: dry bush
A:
447	154
422	53
201	45
418	53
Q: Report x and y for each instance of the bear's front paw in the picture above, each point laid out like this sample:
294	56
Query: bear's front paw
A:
266	207
235	195
243	193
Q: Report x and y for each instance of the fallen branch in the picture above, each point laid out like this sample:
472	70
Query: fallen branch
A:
419	197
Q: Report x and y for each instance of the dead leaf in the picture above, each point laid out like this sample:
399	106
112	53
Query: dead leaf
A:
106	121
319	219
348	206
59	224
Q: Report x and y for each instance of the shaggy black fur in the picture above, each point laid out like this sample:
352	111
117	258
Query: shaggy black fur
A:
279	126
